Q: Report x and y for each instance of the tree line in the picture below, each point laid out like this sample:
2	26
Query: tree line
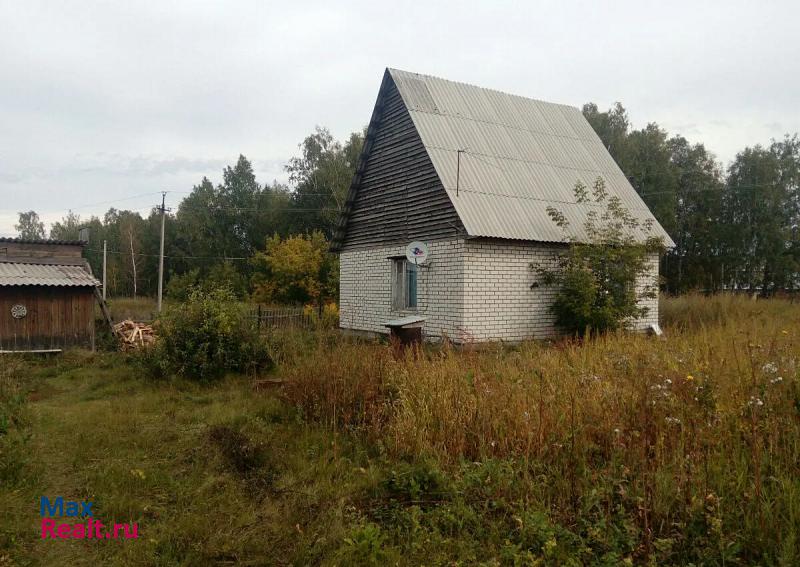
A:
734	227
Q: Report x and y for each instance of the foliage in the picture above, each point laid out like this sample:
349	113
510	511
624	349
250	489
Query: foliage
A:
329	317
204	337
297	269
232	219
221	275
13	393
321	176
731	231
761	216
602	279
734	228
181	285
616	450
68	228
30	227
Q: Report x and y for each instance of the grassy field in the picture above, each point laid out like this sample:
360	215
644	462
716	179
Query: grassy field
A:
621	450
138	309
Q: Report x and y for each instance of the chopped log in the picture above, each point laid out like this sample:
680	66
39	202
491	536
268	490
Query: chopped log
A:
133	335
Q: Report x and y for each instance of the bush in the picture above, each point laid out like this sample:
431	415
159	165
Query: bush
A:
602	279
221	275
298	269
205	337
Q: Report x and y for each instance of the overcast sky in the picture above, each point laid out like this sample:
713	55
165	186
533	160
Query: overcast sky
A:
103	102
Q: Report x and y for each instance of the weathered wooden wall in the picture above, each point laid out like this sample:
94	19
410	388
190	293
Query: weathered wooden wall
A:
57	317
398	197
39	250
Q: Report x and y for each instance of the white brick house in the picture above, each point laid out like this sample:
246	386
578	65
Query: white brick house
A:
470	172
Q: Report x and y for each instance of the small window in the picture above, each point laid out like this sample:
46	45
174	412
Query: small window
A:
404	284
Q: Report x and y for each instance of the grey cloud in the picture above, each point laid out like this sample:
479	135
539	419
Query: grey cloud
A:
109	100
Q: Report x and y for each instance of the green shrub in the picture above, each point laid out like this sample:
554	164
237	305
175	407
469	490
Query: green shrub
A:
413	482
603	278
225	275
205	337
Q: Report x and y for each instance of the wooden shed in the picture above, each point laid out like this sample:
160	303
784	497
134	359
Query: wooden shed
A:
47	295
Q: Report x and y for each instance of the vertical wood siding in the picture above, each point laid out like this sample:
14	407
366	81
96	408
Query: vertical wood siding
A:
57	317
399	197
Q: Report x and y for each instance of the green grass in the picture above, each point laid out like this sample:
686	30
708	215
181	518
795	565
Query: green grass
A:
145	452
138	309
525	455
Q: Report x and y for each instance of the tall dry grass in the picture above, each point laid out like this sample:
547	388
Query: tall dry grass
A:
697	430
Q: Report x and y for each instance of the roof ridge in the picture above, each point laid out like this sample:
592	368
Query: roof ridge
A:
19	240
474	86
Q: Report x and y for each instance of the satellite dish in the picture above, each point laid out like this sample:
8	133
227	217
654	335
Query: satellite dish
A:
417	252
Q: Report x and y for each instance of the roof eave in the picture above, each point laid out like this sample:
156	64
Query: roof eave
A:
337	240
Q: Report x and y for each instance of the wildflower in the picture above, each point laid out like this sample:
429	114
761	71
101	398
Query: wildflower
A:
770	368
776	380
672	420
689	377
784	332
755	402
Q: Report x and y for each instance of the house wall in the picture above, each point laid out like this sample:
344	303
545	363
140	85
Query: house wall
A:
499	301
57	317
40	251
399	192
366	289
473	290
500	304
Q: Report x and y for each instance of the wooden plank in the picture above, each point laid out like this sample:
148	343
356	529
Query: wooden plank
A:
399	194
56	317
104	309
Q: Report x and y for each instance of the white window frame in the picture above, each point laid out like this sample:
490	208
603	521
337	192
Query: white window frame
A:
401	269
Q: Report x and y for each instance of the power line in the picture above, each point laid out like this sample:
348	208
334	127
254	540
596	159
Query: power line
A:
121	199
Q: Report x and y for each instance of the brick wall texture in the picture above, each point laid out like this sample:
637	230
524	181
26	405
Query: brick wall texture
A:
471	290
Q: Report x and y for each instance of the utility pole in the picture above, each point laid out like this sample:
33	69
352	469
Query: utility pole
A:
161	254
105	260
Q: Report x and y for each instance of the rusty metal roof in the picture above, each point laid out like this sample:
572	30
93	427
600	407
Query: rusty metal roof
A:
12	274
42	241
518	156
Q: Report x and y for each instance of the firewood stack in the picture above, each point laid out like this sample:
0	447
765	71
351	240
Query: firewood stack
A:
133	335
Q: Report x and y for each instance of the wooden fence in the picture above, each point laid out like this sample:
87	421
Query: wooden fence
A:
283	317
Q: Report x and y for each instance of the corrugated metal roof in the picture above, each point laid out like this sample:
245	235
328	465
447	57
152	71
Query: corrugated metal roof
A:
44	274
42	241
519	156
